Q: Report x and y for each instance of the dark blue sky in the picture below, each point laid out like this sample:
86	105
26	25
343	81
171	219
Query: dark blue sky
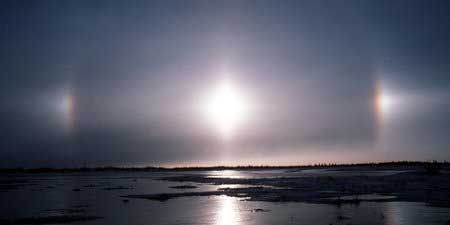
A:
119	82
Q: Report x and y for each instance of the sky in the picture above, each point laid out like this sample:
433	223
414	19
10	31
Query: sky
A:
201	83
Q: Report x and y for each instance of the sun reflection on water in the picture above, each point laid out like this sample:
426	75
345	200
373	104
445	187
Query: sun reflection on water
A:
228	211
234	174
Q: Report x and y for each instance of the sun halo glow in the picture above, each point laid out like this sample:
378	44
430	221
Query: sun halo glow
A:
226	108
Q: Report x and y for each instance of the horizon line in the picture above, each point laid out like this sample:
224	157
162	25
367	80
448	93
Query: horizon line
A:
220	167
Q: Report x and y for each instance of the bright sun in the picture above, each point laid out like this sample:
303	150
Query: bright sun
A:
226	108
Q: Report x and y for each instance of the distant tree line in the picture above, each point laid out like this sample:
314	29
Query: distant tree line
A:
432	167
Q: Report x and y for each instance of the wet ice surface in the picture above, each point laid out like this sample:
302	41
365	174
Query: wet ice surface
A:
98	194
293	173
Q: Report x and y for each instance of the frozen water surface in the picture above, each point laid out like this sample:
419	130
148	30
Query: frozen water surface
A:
99	194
